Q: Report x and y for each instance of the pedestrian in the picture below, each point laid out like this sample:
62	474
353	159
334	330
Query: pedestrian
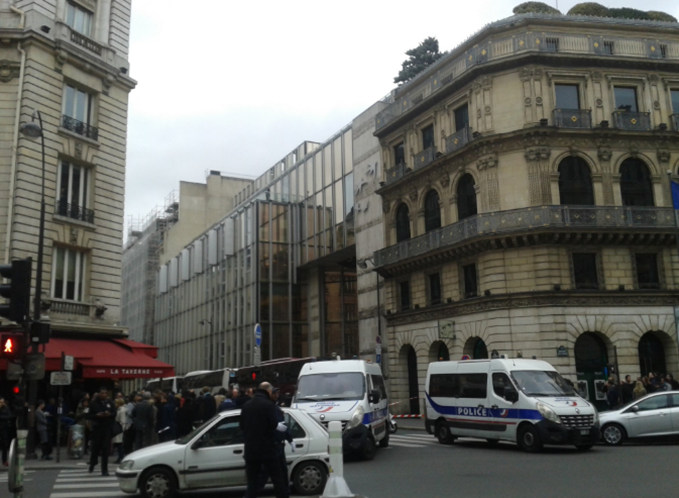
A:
208	407
664	383
626	389
639	390
612	393
82	417
102	415
129	432
259	423
42	426
244	395
154	419
184	420
281	438
121	417
227	404
219	398
167	430
673	382
142	419
5	426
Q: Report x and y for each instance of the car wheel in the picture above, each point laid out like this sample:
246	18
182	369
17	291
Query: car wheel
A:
158	482
309	478
443	433
384	442
529	439
613	434
584	447
369	449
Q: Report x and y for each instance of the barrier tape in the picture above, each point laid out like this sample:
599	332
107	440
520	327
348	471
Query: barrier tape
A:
401	401
407	416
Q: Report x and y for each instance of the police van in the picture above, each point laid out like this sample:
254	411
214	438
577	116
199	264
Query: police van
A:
349	391
517	400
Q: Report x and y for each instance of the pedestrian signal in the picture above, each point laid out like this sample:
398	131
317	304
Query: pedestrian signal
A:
17	291
11	346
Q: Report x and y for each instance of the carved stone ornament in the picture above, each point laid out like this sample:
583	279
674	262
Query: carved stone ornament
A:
656	105
529	72
8	71
538	100
596	75
634	150
604	153
528	101
599	103
664	156
478	113
487	162
654	79
385	206
78	151
61	57
107	82
413	195
487	109
538	153
445	180
74	236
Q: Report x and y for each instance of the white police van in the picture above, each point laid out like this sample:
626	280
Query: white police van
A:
349	391
523	401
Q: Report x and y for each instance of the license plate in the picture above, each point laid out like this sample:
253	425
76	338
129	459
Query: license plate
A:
584	432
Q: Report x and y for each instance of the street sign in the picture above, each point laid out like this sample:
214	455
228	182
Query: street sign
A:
378	349
258	356
378	358
378	340
258	335
60	378
14	371
494	355
35	366
466	357
66	362
562	352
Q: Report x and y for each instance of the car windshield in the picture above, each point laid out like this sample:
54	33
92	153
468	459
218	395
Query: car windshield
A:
539	383
330	386
194	432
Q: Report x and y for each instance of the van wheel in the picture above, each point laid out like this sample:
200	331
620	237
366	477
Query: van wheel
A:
309	478
369	449
443	433
384	442
529	439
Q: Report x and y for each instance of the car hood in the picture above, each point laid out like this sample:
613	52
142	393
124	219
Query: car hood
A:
157	452
561	402
327	408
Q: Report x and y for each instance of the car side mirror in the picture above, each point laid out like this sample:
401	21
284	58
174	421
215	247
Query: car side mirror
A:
511	394
374	396
197	445
635	408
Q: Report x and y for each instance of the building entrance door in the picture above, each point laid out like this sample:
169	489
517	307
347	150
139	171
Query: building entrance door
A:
413	382
591	359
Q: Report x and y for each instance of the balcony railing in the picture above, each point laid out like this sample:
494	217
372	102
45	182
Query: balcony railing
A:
425	158
85	42
458	139
396	173
573	118
675	121
80	128
70	308
636	121
74	211
521	220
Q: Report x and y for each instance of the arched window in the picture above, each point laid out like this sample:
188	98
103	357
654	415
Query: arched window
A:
480	350
432	211
651	354
575	182
402	223
635	183
466	197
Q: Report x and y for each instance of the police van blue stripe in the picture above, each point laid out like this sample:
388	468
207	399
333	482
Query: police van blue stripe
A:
474	411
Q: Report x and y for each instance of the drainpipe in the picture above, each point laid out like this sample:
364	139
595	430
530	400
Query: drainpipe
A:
15	141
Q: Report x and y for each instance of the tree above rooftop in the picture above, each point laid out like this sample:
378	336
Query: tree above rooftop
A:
420	58
535	7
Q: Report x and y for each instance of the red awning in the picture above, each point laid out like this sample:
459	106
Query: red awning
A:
104	358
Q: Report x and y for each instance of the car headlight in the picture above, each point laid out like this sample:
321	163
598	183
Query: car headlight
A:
356	418
595	419
548	413
126	465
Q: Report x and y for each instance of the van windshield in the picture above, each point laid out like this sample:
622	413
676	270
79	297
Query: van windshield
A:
330	386
538	383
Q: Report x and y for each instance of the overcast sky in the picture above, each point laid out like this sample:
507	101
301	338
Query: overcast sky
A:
234	86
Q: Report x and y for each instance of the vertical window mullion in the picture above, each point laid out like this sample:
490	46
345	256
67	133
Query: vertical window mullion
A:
64	285
76	285
70	185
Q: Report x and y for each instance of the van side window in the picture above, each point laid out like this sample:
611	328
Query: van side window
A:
500	381
443	386
378	384
473	385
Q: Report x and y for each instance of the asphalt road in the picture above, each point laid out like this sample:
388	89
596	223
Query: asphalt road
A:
417	466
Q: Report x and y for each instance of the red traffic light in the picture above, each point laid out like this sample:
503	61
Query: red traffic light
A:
15	390
10	346
254	375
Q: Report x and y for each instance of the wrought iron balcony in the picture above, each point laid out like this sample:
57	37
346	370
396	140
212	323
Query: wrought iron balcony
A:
79	213
675	121
85	42
595	218
79	127
458	139
397	172
636	121
425	158
573	118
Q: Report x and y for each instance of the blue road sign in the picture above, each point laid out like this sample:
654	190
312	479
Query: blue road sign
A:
378	358
258	335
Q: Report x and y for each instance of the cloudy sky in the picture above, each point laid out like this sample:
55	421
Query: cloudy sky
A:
234	86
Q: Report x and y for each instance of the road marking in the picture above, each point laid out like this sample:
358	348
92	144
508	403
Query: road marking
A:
86	485
405	445
91	479
86	494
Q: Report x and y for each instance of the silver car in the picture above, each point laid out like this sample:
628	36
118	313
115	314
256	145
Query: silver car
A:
212	457
654	415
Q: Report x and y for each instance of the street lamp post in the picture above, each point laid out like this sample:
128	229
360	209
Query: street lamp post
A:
33	131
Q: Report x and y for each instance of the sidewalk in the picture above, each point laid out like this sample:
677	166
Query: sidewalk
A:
65	463
410	424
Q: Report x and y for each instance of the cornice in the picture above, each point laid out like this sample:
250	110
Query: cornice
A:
588	299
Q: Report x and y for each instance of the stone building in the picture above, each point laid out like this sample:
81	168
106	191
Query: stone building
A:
527	203
66	60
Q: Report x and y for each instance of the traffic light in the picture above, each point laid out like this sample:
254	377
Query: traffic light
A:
17	291
11	346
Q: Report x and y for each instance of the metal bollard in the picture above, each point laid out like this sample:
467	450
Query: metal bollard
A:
336	486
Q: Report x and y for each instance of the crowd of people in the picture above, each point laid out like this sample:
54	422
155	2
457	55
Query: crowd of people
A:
629	390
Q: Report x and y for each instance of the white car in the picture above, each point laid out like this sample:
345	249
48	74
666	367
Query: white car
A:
655	415
212	457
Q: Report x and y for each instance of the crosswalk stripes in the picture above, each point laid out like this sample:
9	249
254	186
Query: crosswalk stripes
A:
4	476
79	483
412	441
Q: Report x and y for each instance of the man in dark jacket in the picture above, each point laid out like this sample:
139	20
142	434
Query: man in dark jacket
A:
281	438
244	396
143	421
102	415
259	423
5	425
207	406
